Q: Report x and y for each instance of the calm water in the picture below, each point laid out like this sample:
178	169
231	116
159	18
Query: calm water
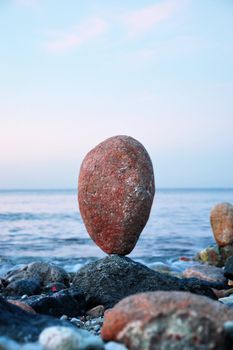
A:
46	225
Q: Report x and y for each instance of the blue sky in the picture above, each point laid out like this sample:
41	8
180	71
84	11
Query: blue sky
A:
74	73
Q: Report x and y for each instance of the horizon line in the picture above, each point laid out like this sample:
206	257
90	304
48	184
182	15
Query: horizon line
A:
75	189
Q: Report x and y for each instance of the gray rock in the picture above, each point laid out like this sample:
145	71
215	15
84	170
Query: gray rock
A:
70	302
39	271
23	326
111	279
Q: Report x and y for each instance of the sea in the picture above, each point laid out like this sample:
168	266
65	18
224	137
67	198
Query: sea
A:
45	225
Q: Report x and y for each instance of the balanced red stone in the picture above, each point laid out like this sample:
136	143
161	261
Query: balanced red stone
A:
115	193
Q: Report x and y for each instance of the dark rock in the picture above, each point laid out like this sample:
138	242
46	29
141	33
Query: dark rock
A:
228	270
23	326
42	272
23	286
115	193
167	320
107	281
70	302
228	333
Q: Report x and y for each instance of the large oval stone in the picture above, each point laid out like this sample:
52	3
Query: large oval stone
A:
115	193
221	218
167	320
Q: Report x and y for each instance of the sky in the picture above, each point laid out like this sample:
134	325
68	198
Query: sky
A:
73	73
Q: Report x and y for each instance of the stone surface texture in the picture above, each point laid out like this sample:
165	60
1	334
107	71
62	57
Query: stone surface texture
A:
206	273
221	218
69	302
167	320
40	272
111	279
115	193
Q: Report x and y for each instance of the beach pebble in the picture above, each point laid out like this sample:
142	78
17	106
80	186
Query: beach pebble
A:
221	218
115	193
60	338
228	269
206	272
22	305
96	311
167	320
112	345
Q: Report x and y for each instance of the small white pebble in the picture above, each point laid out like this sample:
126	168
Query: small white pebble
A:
60	338
64	317
114	346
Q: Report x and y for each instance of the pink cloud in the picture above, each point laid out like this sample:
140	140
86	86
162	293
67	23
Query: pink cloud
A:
86	31
145	19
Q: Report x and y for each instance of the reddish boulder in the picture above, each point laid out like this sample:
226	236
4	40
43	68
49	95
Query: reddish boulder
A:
167	320
115	193
221	218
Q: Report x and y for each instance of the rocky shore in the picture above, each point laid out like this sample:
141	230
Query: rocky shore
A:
116	303
116	299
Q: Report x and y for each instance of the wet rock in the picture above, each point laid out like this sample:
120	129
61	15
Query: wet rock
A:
215	255
41	272
60	338
22	305
221	218
167	320
70	302
115	193
207	273
228	270
23	326
111	279
22	287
